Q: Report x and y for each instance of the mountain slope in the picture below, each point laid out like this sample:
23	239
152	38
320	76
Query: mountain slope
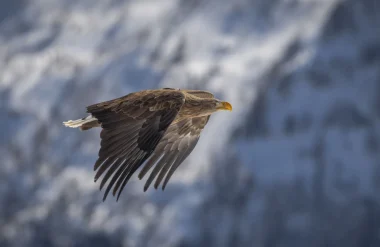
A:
294	164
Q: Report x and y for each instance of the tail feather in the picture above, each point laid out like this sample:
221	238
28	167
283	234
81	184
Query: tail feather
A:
83	123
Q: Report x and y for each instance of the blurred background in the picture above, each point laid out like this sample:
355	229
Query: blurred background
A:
295	164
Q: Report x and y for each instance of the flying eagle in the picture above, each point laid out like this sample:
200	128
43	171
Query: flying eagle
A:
157	128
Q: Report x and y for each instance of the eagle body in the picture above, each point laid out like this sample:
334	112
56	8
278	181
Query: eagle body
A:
151	128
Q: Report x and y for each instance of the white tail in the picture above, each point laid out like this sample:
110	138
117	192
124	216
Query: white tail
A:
79	122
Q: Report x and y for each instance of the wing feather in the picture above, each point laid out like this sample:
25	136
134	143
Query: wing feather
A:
185	152
119	176
124	178
165	168
158	166
152	160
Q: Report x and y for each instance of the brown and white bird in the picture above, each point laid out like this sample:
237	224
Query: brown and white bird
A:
157	128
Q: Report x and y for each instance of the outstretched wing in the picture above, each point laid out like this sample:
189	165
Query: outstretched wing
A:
177	143
132	127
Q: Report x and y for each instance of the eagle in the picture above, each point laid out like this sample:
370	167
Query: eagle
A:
155	128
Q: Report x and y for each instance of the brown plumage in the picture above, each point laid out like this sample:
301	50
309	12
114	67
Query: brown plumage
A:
158	128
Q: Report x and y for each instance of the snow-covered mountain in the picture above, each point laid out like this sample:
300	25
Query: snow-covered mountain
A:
295	164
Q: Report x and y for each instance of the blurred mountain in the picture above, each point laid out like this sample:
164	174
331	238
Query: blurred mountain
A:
295	164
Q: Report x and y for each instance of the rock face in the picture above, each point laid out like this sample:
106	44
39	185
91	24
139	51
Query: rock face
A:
295	164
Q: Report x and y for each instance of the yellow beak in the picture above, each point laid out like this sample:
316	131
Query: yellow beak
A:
224	105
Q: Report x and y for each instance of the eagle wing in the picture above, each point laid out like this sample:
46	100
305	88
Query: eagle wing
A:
177	143
132	126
